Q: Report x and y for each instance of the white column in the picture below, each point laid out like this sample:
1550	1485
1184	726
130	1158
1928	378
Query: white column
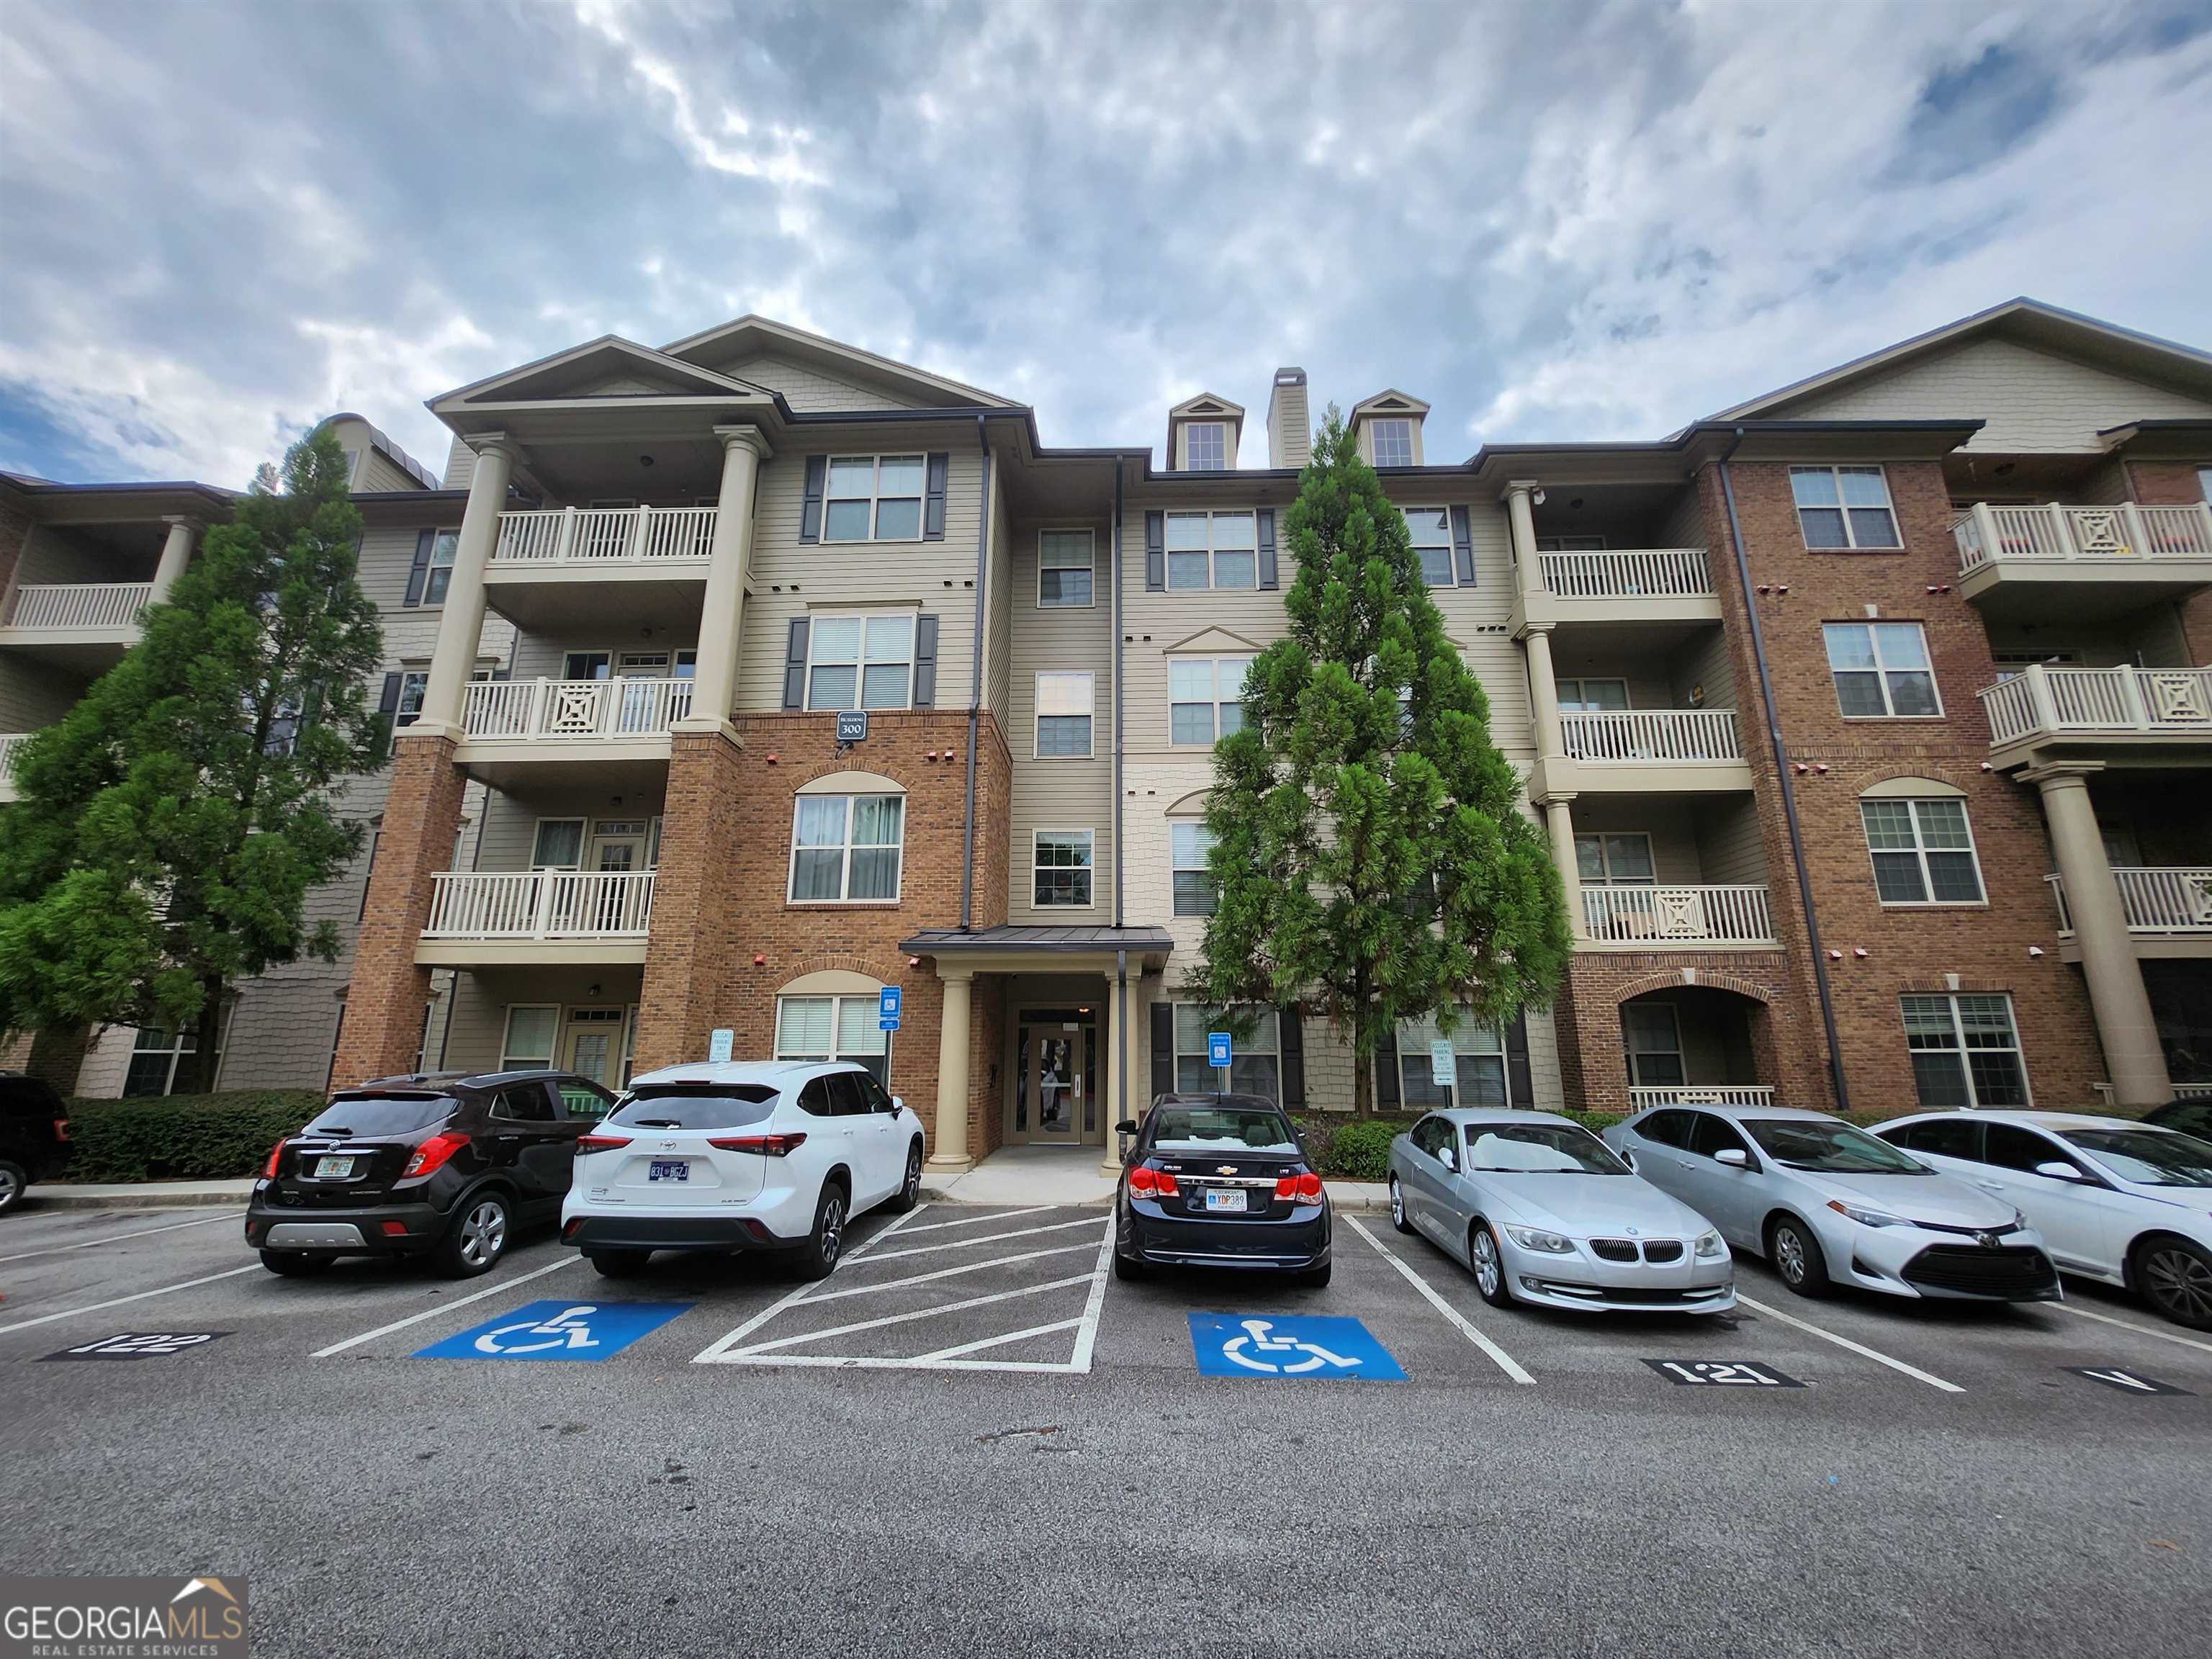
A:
176	554
1544	687
460	627
950	1152
721	616
1519	517
1558	820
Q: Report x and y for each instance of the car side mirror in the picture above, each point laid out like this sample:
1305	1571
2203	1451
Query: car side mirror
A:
1448	1158
897	1105
1128	1126
2059	1171
1735	1157
1627	1158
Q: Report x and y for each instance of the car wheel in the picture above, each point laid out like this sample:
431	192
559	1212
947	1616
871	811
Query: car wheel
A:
295	1264
477	1238
13	1179
909	1191
2175	1277
618	1264
1794	1254
827	1242
1398	1208
1313	1279
1129	1270
1487	1259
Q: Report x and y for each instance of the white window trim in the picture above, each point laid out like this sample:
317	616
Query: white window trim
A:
449	540
861	663
176	1052
1215	703
1090	868
1881	670
875	498
1852	543
1579	681
583	842
1175	870
836	1000
1950	1002
1608	879
1037	716
1090	537
1629	1053
1271	1016
1450	544
1228	454
1920	850
1419	1056
1374	424
508	1060
845	868
1210	514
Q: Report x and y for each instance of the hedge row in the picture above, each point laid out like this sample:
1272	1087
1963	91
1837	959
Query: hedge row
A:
220	1137
1356	1149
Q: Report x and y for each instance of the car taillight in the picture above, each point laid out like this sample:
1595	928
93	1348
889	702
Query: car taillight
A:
1298	1189
431	1156
275	1152
1144	1181
600	1143
61	1128
760	1145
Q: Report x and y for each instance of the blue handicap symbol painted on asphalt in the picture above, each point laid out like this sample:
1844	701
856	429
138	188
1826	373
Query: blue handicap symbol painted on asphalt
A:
557	1330
1249	1345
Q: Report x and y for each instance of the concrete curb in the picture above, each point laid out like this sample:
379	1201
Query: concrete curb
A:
136	1195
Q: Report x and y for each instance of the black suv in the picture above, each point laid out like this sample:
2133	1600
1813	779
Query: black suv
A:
35	1143
438	1164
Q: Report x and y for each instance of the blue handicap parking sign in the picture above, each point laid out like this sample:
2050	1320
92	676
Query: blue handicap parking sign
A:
887	1008
1217	1048
558	1330
1249	1345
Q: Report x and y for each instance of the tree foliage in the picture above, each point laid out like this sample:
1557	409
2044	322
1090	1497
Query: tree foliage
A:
1369	851
170	827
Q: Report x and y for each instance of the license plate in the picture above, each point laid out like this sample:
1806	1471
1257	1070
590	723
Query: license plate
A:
1218	1199
673	1170
333	1169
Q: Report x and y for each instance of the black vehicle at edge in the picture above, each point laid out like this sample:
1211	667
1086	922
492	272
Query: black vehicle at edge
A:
34	1137
1247	1197
443	1165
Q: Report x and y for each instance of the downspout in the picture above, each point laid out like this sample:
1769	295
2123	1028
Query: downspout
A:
1789	793
1120	956
976	683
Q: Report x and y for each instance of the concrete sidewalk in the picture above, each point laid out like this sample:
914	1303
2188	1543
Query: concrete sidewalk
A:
1074	1174
134	1194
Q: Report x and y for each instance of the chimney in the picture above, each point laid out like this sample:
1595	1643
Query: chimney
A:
1289	429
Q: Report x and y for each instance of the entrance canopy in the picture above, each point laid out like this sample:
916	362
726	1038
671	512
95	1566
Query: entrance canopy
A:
1042	950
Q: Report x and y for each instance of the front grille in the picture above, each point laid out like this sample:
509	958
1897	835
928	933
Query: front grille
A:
1635	1293
2011	1270
1613	1249
1663	1249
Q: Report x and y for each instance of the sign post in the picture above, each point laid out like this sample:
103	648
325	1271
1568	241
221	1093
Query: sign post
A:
1217	1056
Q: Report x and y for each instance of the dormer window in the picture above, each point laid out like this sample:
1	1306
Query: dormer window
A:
1394	442
1205	446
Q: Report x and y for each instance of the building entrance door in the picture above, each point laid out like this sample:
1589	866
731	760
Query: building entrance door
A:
1056	1078
594	1044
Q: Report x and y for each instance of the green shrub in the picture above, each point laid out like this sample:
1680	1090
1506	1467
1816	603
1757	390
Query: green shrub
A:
1360	1151
184	1137
1596	1123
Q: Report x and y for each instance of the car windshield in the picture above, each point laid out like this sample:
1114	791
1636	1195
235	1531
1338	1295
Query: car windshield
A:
2149	1157
1829	1148
710	1106
1221	1129
1538	1149
382	1115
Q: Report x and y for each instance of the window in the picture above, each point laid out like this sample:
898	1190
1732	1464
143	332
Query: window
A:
1709	1136
1061	866
413	683
1189	846
1063	715
1204	697
1654	1043
1944	1137
367	875
1581	696
559	845
2012	1147
1430	529
525	1102
873	498
1571	543
1478	1059
846	849
585	664
834	1028
1616	861
1843	507
1923	852
1394	442
1205	446
1882	671
157	1050
1965	1051
440	576
532	1028
1064	574
1668	1128
1212	550
1255	1066
860	662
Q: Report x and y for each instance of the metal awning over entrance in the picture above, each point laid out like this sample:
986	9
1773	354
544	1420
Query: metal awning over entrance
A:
1012	949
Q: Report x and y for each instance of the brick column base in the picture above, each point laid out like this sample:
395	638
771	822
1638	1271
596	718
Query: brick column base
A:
708	819
388	992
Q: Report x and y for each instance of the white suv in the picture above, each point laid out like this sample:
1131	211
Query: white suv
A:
728	1156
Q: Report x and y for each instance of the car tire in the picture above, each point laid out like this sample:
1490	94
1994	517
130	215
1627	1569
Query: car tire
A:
618	1264
825	1243
1793	1250
477	1239
14	1177
2174	1275
1129	1270
1486	1262
295	1264
1312	1279
1398	1208
909	1191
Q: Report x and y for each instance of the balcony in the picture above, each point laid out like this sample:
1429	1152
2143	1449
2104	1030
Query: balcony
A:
1669	750
1625	585
563	567
612	733
9	742
2110	709
2013	560
480	918
1668	917
2168	911
85	626
1641	1099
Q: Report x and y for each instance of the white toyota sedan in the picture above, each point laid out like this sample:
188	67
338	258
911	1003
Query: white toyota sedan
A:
729	1156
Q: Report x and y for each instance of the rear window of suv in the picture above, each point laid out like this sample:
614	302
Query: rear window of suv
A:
720	1106
382	1115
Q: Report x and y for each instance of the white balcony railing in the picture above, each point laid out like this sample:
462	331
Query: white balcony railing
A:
12	743
2154	901
541	904
1650	734
78	606
1662	572
1664	916
1700	1093
602	535
2098	535
2192	1091
574	710
2046	700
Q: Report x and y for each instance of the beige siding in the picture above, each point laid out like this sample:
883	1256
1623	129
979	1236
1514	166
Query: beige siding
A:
810	390
35	695
1059	794
999	602
460	465
378	471
1730	850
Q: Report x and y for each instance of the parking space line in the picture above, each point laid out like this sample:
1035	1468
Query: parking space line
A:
1913	1371
797	1293
988	1238
978	1220
1086	1335
906	1318
136	1296
2140	1330
117	1238
1506	1363
982	1343
942	1273
504	1284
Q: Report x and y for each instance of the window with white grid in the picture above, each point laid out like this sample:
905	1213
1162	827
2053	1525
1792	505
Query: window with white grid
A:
1923	851
1841	507
1204	697
1965	1051
822	1028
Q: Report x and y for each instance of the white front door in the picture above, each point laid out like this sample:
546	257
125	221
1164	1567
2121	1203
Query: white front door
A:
591	1046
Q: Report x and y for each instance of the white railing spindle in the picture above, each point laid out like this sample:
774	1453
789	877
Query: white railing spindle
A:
1730	914
1650	734
602	535
2057	534
540	904
2048	698
90	605
1643	1098
1663	572
561	711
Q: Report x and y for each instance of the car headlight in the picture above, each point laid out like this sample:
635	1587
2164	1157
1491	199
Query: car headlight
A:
1709	1248
1535	1238
2020	1221
1866	1218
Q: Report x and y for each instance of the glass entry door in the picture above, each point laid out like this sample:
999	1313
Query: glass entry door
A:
1056	1078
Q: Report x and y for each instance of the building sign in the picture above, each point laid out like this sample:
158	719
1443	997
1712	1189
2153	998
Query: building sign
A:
720	1043
887	1008
852	727
1443	1064
1217	1048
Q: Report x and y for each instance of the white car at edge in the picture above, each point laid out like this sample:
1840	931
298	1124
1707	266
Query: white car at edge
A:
730	1156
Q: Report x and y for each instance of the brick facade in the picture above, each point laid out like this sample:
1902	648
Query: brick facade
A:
1593	1062
2178	484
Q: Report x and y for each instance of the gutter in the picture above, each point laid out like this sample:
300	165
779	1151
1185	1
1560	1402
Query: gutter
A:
975	681
1121	957
1789	793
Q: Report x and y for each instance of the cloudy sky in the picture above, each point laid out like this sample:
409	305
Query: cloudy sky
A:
220	221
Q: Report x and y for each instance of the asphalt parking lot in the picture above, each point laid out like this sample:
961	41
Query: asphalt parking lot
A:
973	1436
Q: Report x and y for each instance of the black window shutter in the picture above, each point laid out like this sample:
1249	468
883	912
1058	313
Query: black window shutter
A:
794	665
1519	1088
932	510
387	701
925	663
1291	1045
1463	546
1266	524
1386	1071
810	515
1164	1070
419	572
1155	552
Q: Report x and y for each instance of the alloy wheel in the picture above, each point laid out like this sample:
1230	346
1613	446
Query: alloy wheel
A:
833	1227
1486	1267
913	1175
2180	1283
484	1234
1397	1204
8	1190
1788	1255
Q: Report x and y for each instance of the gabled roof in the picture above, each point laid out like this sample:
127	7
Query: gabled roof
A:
608	355
1207	405
1390	401
751	335
2031	323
